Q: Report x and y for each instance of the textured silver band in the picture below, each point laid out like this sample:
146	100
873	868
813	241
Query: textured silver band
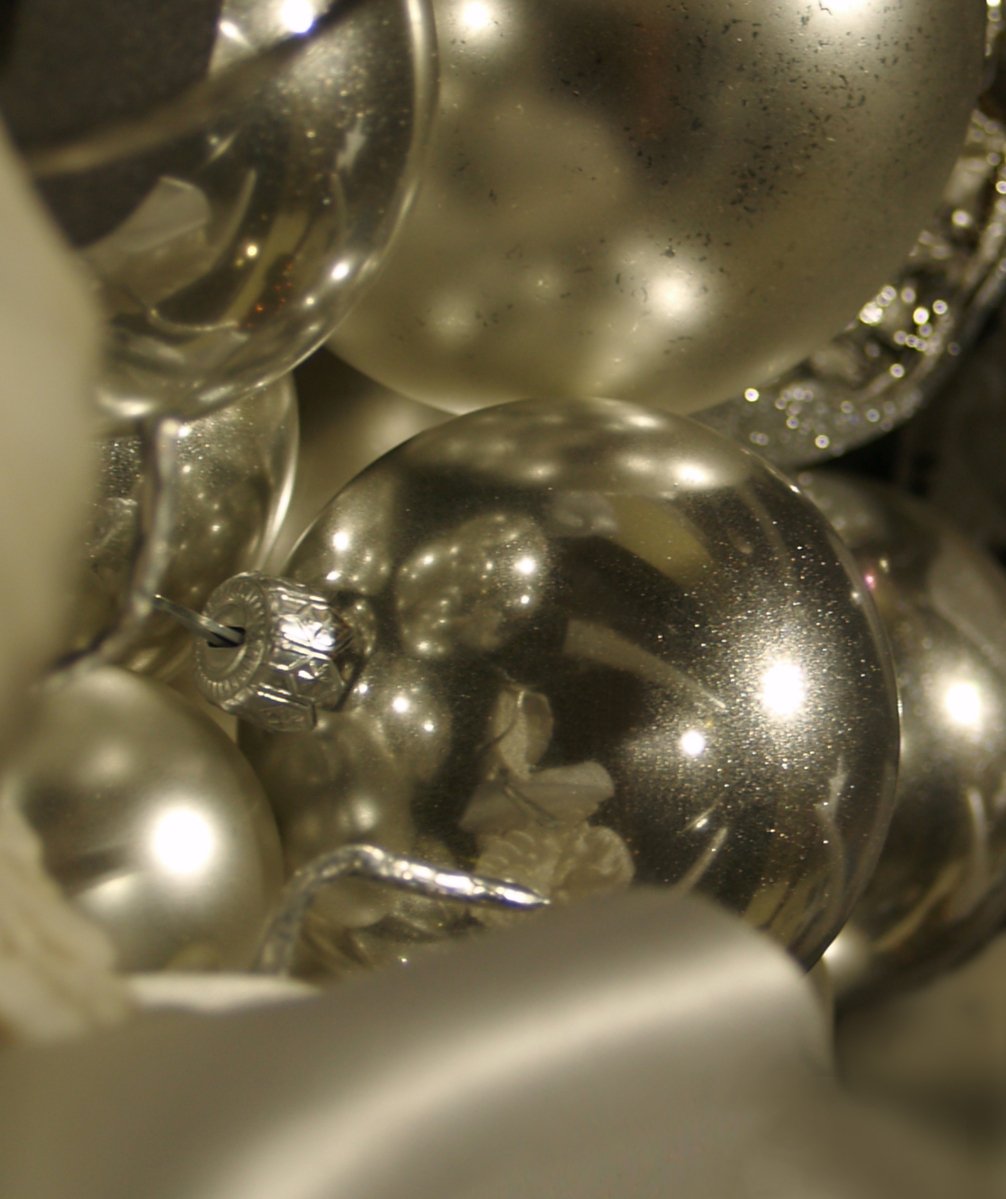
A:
292	658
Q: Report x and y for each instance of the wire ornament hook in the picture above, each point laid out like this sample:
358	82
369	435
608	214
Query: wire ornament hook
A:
279	942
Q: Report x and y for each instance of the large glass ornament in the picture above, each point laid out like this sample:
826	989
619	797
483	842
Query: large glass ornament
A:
940	885
663	203
593	645
150	820
229	490
905	341
258	205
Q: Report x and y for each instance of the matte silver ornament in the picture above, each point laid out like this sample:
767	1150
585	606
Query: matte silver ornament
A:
268	209
231	483
940	885
150	820
661	202
905	340
600	646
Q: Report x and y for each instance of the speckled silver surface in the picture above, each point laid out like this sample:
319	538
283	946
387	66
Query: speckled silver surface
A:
662	202
233	480
602	646
900	347
940	886
263	223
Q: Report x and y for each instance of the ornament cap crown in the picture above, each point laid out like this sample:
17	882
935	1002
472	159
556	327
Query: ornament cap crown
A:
292	656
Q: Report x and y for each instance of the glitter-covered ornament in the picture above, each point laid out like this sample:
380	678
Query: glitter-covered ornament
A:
149	819
589	645
940	885
661	202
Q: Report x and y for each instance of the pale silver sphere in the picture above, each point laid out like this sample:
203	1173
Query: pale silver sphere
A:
233	479
661	202
150	820
260	224
605	647
940	885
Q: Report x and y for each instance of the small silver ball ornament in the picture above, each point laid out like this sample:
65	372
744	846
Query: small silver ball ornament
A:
661	202
150	820
939	889
600	646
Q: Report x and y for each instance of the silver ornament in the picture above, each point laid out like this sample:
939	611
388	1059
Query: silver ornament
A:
660	202
940	885
150	820
597	645
266	212
233	477
905	340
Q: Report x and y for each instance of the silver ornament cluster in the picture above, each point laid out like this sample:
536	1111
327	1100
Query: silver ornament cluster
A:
889	360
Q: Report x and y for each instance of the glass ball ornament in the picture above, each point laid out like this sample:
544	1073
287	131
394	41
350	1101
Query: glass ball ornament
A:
229	490
594	645
939	888
149	819
228	231
663	203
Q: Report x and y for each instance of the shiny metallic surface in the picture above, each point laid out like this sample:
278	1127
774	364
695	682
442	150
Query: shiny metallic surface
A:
150	820
232	480
905	340
258	228
608	648
293	655
940	885
664	203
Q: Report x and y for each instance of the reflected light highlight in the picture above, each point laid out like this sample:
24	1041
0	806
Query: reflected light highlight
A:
477	16
183	841
962	703
783	689
692	743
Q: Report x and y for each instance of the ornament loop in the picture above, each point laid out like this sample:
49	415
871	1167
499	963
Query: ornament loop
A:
371	862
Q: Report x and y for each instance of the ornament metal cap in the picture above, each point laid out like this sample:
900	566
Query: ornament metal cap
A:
291	659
